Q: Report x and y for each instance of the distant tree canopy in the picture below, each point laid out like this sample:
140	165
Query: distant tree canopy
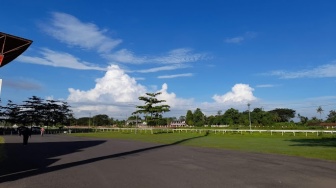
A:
283	114
234	117
331	117
190	118
36	111
152	108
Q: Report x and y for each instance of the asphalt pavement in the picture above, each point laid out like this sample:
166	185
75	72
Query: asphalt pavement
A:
64	161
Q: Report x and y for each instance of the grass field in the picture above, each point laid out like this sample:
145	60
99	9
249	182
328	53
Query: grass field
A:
322	147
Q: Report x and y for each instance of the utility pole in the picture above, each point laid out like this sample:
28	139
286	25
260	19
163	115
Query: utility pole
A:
248	104
90	120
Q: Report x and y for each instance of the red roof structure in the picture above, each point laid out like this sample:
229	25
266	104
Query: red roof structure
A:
11	47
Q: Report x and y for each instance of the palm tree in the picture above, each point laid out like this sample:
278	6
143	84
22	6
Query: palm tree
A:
320	111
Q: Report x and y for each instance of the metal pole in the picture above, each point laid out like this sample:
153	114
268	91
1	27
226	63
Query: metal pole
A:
136	125
248	104
90	120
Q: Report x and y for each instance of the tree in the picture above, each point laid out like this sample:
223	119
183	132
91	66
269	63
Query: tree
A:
331	117
211	120
11	112
151	107
35	111
100	120
231	116
198	118
57	112
32	111
244	118
283	114
83	121
190	118
319	110
182	118
303	119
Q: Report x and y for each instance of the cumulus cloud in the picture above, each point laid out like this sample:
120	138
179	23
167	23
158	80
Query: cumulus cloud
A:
171	99
117	93
59	59
323	71
115	86
240	93
68	29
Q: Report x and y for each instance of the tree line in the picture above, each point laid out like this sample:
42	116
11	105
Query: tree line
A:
257	117
36	111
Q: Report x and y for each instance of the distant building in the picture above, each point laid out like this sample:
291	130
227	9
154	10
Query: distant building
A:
134	122
178	124
326	125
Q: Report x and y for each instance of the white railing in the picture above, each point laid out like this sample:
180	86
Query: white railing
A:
215	131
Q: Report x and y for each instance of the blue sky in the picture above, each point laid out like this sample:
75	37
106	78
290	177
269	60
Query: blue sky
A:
100	56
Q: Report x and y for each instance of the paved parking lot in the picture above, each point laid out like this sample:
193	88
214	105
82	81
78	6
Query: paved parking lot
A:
66	161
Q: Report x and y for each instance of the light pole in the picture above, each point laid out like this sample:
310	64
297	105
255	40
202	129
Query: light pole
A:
90	120
248	104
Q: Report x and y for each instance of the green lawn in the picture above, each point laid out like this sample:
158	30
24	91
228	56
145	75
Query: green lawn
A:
322	147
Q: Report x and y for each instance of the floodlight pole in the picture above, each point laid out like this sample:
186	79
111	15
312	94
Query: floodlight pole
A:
136	124
248	104
90	120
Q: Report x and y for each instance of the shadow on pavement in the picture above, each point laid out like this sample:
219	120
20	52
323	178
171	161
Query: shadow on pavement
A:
327	142
36	162
25	158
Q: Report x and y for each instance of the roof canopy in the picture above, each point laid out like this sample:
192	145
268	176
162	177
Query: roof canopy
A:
11	47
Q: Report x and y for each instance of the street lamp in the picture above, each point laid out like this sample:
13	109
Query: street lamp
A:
248	104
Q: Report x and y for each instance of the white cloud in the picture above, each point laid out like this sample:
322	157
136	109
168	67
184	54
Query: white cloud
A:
176	75
59	59
163	68
70	30
115	86
172	100
239	39
117	93
323	71
126	56
265	85
240	93
177	56
234	40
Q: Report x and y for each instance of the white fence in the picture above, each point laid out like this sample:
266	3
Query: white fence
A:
215	131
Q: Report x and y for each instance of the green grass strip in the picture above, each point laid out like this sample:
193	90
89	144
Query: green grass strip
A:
311	146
